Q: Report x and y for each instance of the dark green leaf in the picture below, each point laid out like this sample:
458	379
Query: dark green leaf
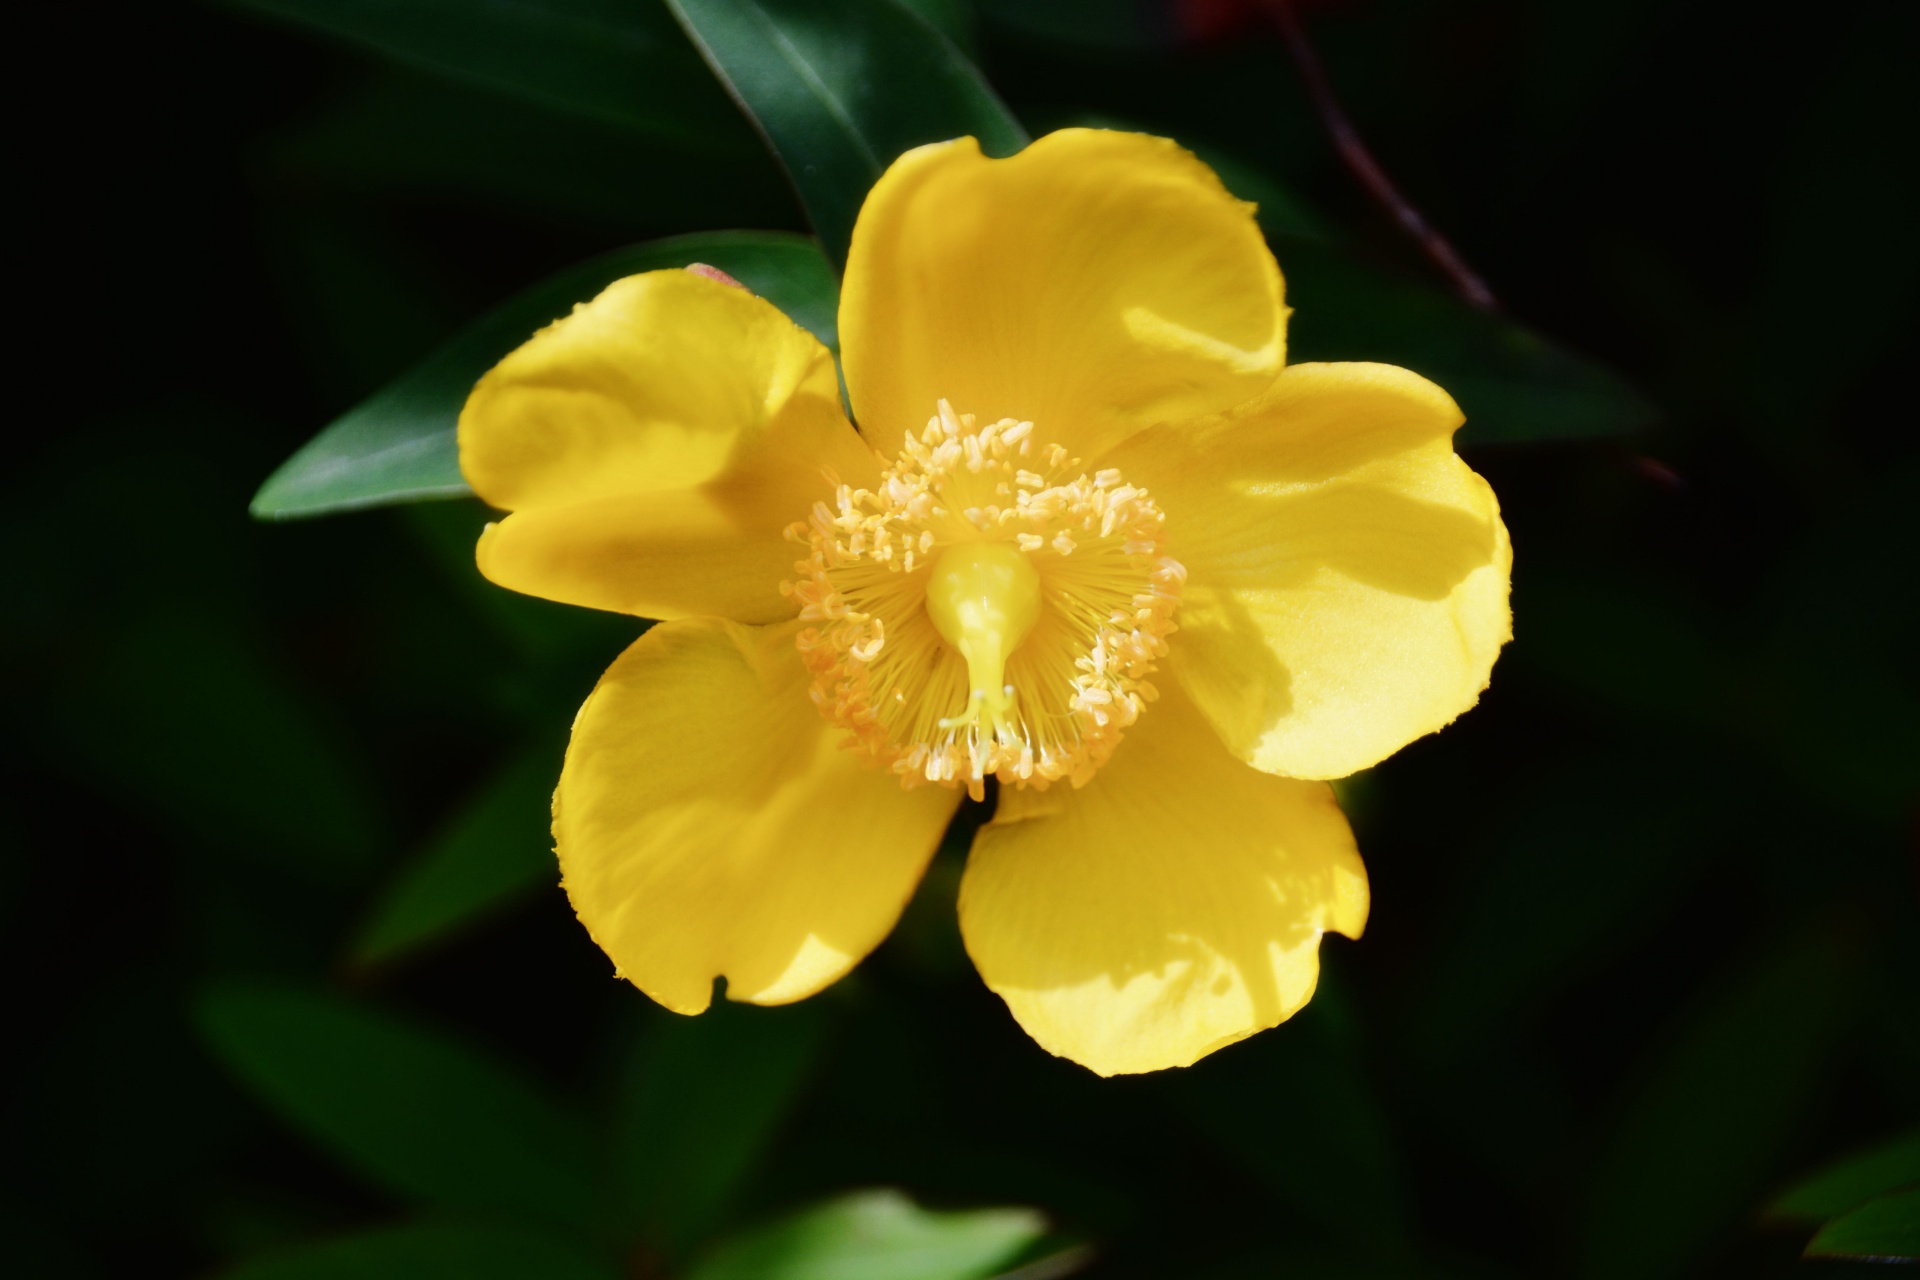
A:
842	87
397	132
1882	1230
1683	1160
433	1251
1836	654
1572	875
1513	384
1099	24
495	849
954	19
1280	210
1298	1112
875	1235
421	1115
1841	229
399	445
1849	1183
1639	651
188	714
701	1101
1345	1262
611	59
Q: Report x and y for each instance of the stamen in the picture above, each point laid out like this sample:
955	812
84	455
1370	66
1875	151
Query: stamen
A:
988	609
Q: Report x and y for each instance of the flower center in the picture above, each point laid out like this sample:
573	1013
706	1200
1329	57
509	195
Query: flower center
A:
989	609
984	597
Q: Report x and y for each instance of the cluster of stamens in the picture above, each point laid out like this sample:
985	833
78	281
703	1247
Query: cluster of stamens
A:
989	609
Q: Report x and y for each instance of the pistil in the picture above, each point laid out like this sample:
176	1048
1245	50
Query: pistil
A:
984	597
988	609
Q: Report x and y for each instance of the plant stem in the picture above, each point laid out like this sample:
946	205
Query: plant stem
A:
1353	151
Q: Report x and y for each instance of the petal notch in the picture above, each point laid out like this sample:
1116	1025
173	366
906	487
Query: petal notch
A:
1094	283
709	824
1170	907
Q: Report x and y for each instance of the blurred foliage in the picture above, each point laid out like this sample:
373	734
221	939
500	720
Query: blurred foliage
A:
296	995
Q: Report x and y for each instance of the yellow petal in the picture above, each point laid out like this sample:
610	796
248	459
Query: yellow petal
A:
659	555
653	446
1170	907
1095	282
709	823
1346	573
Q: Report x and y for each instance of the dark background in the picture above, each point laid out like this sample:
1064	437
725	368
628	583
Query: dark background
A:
1643	945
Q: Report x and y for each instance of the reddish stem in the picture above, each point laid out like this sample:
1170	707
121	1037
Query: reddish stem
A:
1346	140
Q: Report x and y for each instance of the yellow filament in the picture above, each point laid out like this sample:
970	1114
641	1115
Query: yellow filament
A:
984	597
989	609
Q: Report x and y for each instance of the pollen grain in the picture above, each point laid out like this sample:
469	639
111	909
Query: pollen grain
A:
990	609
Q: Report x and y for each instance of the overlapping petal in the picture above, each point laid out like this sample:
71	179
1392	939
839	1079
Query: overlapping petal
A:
1094	283
653	445
1346	592
1347	573
1171	906
709	824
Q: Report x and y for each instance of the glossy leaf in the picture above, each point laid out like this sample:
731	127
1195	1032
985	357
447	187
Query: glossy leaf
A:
1848	1183
954	19
419	1114
621	62
1514	385
399	446
842	87
433	1251
700	1103
875	1235
1886	1229
495	849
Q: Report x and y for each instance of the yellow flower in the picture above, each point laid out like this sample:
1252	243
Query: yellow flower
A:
1092	538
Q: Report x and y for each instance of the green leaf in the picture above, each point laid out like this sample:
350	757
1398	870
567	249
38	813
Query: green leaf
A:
1848	1183
1882	1230
1514	385
875	1235
701	1101
421	1115
399	133
954	19
495	849
432	1251
187	713
842	87
610	59
1097	24
1683	1159
399	446
1842	231
1571	874
1299	1113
